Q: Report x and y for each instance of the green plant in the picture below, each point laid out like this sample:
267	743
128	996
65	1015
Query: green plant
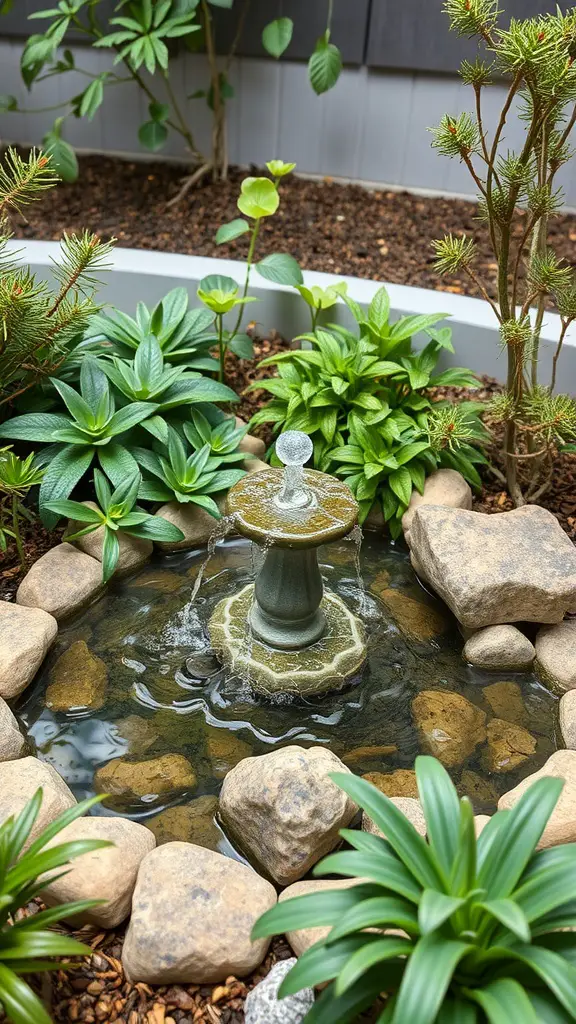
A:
27	945
38	325
184	475
482	921
364	401
517	196
17	477
117	513
259	198
181	332
144	37
223	438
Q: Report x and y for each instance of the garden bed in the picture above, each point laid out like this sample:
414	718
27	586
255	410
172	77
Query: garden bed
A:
341	229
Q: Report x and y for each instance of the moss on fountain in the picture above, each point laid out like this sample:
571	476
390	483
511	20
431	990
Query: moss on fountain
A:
325	665
256	516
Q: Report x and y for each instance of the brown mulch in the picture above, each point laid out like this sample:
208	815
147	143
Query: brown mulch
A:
343	229
37	541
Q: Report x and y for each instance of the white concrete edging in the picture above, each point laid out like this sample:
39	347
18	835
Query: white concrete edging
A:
138	275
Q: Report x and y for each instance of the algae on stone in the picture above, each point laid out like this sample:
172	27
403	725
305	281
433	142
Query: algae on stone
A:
78	679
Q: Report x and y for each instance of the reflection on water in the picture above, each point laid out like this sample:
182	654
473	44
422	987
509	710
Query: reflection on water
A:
147	636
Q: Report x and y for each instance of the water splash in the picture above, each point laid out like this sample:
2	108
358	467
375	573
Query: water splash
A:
223	527
356	537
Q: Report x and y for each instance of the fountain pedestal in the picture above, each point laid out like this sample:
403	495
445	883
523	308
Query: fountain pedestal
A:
284	634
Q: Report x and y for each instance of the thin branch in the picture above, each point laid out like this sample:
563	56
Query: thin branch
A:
565	325
482	290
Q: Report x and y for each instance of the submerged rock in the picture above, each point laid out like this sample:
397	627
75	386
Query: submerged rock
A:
225	749
499	648
401	782
284	809
416	620
192	914
444	487
516	566
556	655
561	827
505	700
481	792
61	582
450	726
139	733
411	808
508	747
263	1006
190	823
358	756
126	781
25	637
78	680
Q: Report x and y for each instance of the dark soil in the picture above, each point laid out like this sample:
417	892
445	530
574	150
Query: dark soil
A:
343	229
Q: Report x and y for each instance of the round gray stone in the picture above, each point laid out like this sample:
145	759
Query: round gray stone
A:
263	1006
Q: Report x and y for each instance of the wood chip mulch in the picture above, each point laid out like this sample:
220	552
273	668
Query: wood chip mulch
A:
343	229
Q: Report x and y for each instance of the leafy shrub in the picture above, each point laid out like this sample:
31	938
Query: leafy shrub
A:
517	196
38	325
481	920
117	513
187	475
27	945
364	402
144	37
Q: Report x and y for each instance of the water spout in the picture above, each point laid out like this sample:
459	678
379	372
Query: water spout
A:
294	449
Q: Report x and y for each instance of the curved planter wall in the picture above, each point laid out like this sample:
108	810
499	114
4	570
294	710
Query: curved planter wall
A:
138	275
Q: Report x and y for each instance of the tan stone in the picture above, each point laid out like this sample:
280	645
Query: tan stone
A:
381	582
498	648
128	780
411	809
374	521
252	465
568	719
478	790
196	524
225	749
26	634
109	873
61	582
12	742
191	823
78	680
556	655
505	699
361	754
133	551
416	620
302	938
508	747
480	822
561	827
252	446
285	810
450	726
517	566
19	781
443	487
402	782
192	914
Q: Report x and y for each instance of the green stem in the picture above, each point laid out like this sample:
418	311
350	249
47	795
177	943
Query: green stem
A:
329	18
184	129
249	260
221	348
17	534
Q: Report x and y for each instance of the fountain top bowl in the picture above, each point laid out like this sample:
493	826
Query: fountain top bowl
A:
256	515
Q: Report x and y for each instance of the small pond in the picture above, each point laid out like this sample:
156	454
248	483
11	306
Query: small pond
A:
115	686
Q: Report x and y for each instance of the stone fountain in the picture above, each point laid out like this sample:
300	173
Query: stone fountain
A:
286	633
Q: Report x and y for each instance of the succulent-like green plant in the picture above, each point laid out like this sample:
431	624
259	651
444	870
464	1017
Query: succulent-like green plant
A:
447	930
184	475
27	945
17	477
117	513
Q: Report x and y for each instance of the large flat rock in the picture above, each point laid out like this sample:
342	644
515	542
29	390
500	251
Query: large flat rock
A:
515	566
62	581
25	636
